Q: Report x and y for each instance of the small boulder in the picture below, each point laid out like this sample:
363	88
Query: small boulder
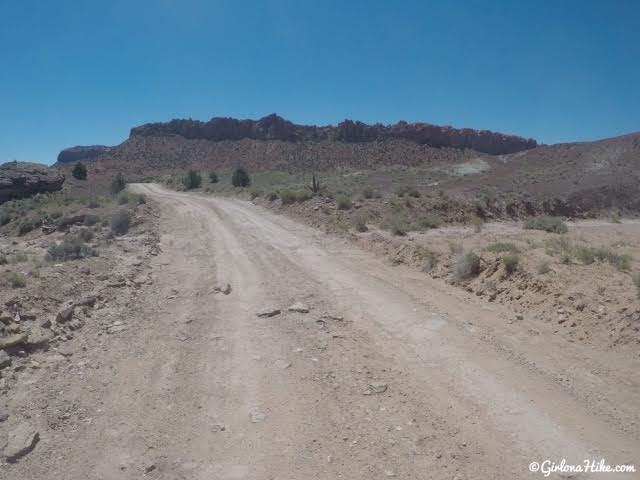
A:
39	337
65	315
12	340
5	359
21	441
376	387
268	312
6	317
299	307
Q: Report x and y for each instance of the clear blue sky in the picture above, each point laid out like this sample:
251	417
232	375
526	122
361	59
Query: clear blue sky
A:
85	72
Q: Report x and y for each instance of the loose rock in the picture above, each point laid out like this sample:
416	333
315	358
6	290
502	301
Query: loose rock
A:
268	312
5	359
65	315
299	307
21	441
12	340
376	387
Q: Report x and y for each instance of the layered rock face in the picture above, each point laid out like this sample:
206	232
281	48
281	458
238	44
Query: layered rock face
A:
20	179
75	154
274	127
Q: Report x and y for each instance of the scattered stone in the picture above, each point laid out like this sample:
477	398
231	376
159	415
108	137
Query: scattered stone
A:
150	468
12	340
218	427
21	441
89	301
3	416
64	350
6	317
39	336
45	323
65	315
5	359
375	388
330	316
257	417
519	316
299	307
282	364
268	312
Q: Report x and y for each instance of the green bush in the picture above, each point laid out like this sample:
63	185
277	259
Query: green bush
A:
467	266
120	222
369	193
272	196
511	262
240	178
344	202
3	260
636	281
192	180
543	268
303	196
15	279
79	171
213	177
255	193
501	247
93	202
287	197
398	227
428	222
408	191
360	223
118	183
123	198
546	223
71	248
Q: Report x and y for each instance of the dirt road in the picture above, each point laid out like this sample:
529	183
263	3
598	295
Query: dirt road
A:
389	374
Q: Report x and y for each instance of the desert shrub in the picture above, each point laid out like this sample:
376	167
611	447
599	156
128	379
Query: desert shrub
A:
398	227
5	217
344	202
287	197
478	223
636	281
501	247
138	198
467	266
79	171
360	223
27	225
240	178
123	198
70	248
368	193
408	191
213	177
455	248
15	279
85	234
303	196
93	202
3	260
428	222
192	180
255	193
120	222
543	268
430	261
585	255
511	262
272	196
19	257
546	223
620	261
118	183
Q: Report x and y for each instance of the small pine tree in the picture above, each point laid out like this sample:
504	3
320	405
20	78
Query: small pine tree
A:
192	180
79	171
118	183
240	178
213	177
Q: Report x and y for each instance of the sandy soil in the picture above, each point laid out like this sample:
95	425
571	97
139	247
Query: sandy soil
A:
391	373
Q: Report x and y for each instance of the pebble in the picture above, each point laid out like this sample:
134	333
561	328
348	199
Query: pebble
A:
299	308
268	312
21	441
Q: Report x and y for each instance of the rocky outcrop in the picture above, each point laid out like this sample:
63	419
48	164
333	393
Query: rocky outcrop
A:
273	127
75	154
20	179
